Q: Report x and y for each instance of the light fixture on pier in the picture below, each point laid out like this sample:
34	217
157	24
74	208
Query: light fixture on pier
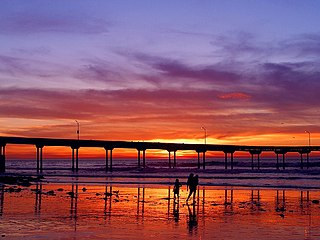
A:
205	134
309	136
78	129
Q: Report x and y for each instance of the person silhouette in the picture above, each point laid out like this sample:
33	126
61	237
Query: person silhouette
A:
192	184
176	188
189	181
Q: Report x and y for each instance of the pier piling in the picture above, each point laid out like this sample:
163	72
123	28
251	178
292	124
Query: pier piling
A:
144	158
2	158
225	160
231	156
111	160
77	159
39	158
252	165
139	158
107	159
72	159
204	159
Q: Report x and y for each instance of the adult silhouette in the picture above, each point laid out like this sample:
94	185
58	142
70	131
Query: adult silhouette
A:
192	184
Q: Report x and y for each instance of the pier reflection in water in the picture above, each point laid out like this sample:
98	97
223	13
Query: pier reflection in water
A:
38	197
1	199
222	212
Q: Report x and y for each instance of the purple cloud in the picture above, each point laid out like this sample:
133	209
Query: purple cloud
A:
97	72
11	65
22	67
168	73
27	23
302	46
176	69
241	45
288	87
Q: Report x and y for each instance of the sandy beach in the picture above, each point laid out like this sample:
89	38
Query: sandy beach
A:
82	210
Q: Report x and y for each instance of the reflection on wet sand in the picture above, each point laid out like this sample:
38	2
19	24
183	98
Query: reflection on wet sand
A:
175	213
119	204
37	205
108	201
228	201
140	203
192	219
228	196
1	199
281	202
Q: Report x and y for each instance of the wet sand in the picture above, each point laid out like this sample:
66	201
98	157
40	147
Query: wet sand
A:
96	211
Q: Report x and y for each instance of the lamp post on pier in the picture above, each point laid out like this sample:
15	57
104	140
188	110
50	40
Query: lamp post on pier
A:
309	136
205	134
78	129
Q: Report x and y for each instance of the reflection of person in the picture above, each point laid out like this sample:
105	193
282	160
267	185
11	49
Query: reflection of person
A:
192	221
176	211
176	188
192	184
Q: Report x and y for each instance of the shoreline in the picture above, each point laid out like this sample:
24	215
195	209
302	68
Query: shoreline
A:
237	180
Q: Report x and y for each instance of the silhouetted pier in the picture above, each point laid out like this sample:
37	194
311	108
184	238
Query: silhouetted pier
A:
142	147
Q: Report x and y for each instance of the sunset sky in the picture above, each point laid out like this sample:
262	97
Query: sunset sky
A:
159	70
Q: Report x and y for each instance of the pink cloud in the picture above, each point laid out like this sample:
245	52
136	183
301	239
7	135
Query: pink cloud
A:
234	96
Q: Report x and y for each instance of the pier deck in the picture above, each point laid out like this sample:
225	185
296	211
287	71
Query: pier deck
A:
200	149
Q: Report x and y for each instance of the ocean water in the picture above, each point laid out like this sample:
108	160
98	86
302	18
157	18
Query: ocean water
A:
158	172
123	164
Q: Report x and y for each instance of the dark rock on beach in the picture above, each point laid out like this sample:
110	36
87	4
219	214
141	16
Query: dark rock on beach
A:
72	195
51	193
24	181
13	189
